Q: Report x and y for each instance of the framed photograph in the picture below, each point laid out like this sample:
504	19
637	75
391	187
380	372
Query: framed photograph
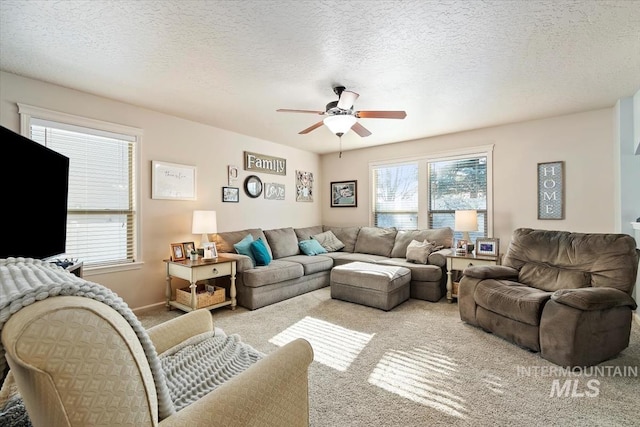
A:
188	247
171	181
344	194
210	250
486	246
177	252
230	194
551	190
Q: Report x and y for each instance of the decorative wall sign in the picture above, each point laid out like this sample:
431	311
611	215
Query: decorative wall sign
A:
304	186
172	181
230	194
267	164
344	194
232	173
551	190
273	191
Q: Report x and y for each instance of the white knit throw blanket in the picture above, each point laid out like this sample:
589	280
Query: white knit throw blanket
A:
25	281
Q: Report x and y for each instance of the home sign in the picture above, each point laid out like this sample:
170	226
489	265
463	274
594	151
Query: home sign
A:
551	190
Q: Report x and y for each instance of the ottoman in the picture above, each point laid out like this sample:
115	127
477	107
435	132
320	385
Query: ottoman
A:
373	285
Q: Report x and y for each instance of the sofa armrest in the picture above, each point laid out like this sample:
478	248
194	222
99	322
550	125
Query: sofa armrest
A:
272	392
174	331
243	262
439	258
591	299
491	272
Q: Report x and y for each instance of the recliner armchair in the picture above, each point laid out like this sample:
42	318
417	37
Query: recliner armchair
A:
566	295
78	362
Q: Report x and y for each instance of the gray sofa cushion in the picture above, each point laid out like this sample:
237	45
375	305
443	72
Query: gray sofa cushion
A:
277	271
226	240
419	272
346	235
283	242
440	236
311	264
306	232
376	241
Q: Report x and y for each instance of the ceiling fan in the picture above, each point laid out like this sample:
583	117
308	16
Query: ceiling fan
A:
341	117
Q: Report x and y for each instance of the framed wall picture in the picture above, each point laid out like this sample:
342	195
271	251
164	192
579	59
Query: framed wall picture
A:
177	252
344	194
304	186
487	246
551	190
230	194
172	181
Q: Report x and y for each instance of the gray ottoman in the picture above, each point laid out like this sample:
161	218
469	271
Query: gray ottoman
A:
373	285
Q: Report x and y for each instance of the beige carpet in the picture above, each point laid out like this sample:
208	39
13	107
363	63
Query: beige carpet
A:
419	365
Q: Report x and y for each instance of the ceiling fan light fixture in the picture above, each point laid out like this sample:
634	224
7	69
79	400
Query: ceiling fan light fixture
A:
340	124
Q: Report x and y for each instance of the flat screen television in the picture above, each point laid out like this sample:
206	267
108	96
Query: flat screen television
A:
34	193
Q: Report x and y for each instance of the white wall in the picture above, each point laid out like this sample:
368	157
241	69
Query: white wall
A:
583	141
174	140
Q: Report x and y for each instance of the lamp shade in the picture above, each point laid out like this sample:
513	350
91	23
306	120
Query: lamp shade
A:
340	124
204	222
466	220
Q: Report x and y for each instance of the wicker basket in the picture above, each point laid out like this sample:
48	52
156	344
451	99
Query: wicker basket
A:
203	298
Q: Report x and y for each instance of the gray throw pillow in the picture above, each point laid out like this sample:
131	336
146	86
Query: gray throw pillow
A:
418	252
329	241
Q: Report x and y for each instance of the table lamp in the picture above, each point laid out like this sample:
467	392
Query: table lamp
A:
466	221
205	222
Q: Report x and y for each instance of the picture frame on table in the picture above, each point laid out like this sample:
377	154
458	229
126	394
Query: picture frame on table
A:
177	252
488	246
344	194
188	248
231	194
210	251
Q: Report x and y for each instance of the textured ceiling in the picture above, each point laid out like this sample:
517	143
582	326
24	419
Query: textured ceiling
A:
451	65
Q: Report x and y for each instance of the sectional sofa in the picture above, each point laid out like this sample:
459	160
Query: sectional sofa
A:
293	273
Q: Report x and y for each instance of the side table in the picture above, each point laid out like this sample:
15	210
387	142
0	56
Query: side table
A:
201	269
460	262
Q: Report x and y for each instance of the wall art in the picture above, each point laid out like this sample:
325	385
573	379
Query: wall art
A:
261	163
551	190
172	181
232	174
230	194
304	186
273	191
344	194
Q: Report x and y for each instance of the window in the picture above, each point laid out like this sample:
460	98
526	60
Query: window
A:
458	184
396	196
102	219
426	192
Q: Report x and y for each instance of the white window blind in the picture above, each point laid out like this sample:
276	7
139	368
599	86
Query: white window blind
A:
396	196
101	218
458	184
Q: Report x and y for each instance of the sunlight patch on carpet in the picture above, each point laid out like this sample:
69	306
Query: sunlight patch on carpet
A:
333	345
423	375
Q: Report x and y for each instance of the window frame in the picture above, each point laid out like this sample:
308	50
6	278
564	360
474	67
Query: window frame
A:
29	112
423	180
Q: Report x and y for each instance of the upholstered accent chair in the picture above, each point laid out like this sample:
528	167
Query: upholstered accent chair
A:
566	295
78	362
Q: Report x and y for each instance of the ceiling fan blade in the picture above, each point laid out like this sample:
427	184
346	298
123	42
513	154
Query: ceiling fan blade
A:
286	110
360	130
347	98
310	128
381	114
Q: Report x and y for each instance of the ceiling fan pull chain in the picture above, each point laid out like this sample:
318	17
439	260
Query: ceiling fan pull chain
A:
340	138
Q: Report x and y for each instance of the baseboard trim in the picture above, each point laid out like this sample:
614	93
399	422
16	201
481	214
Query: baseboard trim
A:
147	307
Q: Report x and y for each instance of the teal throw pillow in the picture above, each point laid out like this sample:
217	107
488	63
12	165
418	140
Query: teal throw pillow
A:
260	252
311	247
243	247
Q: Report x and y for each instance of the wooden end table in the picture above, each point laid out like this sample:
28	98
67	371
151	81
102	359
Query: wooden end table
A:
201	269
460	262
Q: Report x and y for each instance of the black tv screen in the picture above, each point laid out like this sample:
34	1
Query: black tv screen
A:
36	186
